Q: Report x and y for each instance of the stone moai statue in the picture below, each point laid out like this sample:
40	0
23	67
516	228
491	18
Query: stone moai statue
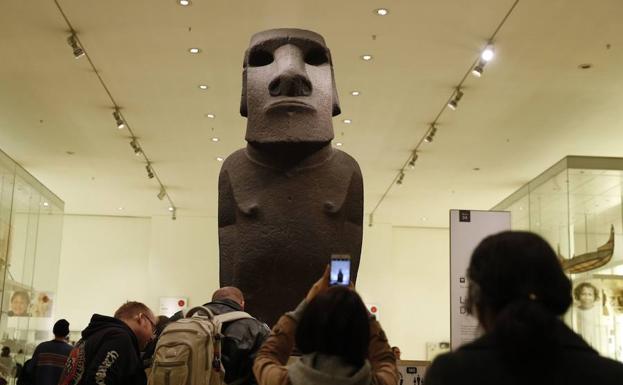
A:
289	199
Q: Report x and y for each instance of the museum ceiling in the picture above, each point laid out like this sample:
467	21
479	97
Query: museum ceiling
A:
532	106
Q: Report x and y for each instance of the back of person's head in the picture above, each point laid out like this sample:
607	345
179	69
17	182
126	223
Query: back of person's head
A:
6	351
131	309
229	292
163	321
517	289
336	323
61	328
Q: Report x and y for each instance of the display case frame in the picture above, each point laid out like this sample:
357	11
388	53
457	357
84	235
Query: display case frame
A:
576	205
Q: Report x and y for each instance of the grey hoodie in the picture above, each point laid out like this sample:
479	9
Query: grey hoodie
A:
322	369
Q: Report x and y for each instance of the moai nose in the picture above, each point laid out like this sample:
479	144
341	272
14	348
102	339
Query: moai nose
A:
291	78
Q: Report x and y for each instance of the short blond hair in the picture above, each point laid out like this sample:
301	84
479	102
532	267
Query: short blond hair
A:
131	309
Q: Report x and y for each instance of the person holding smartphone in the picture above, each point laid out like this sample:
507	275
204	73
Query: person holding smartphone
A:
339	341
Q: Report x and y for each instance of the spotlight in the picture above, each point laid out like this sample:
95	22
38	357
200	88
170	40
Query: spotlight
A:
118	119
401	177
454	103
150	172
162	193
366	57
431	134
479	68
171	208
72	40
488	53
135	146
413	159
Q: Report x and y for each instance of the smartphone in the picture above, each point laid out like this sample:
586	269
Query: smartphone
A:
340	270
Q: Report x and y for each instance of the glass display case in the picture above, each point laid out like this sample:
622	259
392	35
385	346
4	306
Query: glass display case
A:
576	206
31	221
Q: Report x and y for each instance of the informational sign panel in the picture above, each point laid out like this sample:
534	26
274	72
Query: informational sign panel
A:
467	229
171	305
411	372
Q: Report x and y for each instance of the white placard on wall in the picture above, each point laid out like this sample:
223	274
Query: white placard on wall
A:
171	305
467	229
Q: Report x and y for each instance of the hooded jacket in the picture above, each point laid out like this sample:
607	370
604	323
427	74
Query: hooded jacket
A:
321	369
107	354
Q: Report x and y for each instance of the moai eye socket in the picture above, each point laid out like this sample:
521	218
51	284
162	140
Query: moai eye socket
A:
316	57
260	58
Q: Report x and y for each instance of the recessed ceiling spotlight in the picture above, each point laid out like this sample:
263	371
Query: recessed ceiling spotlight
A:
366	57
46	204
347	121
355	93
119	208
184	3
338	144
424	219
218	158
171	208
215	139
203	86
211	116
194	50
381	11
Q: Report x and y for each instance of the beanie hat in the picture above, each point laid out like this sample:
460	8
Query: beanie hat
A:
61	328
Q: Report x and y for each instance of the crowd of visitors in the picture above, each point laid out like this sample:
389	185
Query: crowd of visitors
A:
517	291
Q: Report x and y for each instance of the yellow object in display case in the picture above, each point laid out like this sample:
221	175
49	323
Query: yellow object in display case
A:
576	206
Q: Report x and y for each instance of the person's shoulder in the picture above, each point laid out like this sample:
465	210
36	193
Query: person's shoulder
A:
600	364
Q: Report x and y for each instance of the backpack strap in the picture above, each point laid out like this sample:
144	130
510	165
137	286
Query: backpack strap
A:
231	316
199	309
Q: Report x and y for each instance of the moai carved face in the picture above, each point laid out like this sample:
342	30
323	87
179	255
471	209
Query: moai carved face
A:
288	88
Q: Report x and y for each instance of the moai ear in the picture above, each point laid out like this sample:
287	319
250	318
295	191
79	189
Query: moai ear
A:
336	102
243	96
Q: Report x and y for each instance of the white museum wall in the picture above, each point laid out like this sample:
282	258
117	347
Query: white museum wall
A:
103	264
107	260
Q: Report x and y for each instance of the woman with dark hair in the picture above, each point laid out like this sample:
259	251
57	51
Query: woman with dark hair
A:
339	343
518	291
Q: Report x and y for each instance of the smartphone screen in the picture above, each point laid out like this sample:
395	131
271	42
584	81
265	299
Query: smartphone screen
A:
340	270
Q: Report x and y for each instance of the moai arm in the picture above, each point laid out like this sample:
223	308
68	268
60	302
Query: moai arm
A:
226	227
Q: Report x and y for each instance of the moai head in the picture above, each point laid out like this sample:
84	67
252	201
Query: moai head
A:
288	88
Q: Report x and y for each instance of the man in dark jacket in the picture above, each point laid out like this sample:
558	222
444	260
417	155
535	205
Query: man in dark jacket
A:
49	357
109	351
243	337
